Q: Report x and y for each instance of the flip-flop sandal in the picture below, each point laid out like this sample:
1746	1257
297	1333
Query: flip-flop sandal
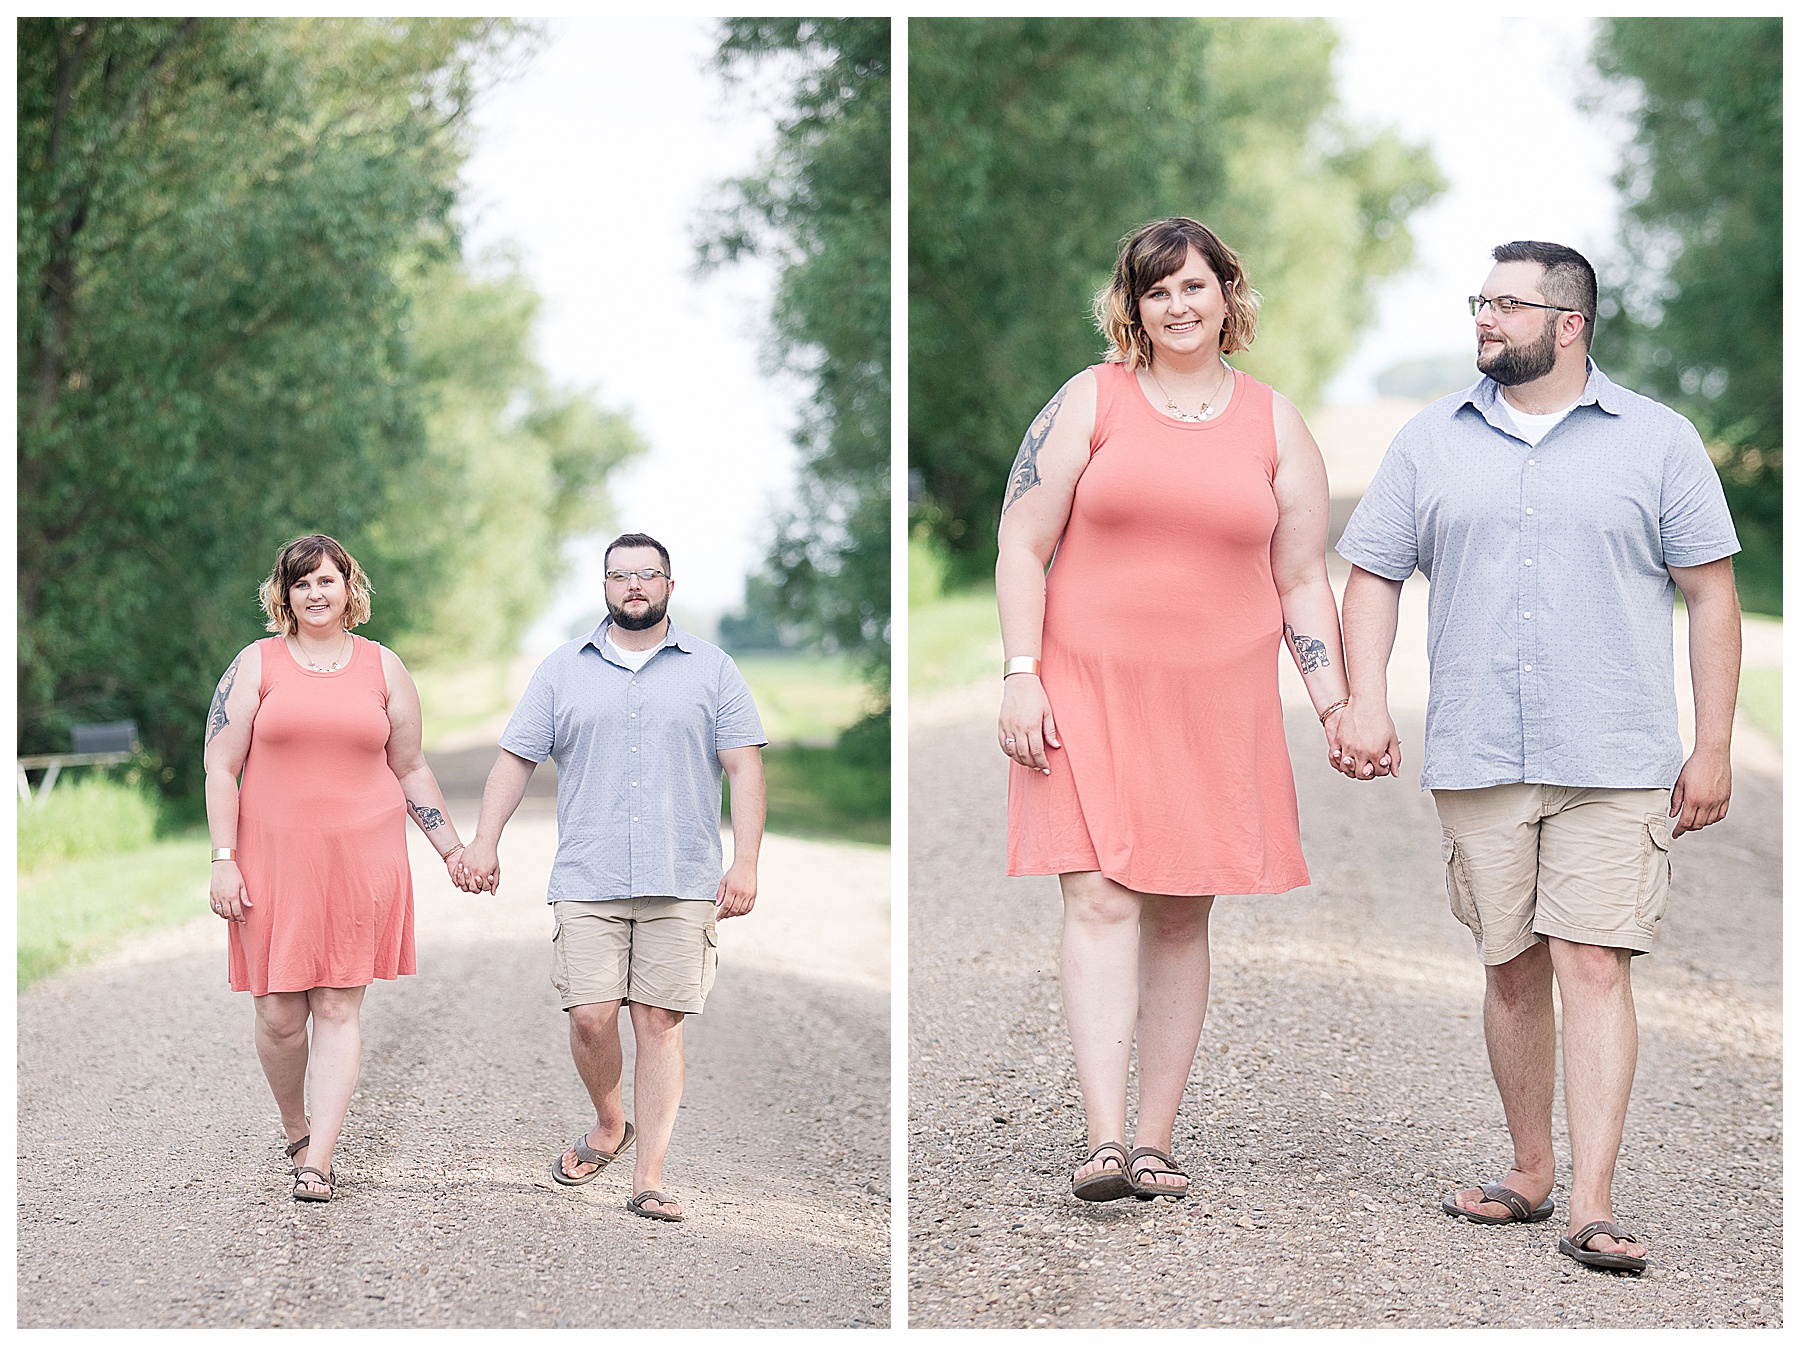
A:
1149	1191
585	1154
1109	1184
1522	1212
298	1146
637	1207
329	1179
1577	1247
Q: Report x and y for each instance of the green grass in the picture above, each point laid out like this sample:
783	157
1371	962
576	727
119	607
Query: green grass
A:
72	910
814	793
1759	693
805	698
954	640
455	697
89	813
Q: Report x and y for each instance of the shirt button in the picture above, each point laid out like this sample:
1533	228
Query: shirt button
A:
1527	560
1529	510
1531	462
634	820
1527	618
634	715
1527	614
1528	668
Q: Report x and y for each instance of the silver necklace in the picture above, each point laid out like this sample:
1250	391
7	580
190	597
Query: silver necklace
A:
1206	412
349	640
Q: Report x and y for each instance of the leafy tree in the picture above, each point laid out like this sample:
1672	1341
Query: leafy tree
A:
819	207
1043	141
1695	316
239	302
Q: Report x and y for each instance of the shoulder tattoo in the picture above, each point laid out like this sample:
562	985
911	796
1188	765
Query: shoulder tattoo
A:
1024	469
216	718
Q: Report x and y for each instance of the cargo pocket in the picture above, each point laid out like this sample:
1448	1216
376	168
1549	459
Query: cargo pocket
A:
1653	889
1456	882
559	960
709	960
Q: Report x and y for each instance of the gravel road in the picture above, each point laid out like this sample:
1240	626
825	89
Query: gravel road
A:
1341	1088
151	1178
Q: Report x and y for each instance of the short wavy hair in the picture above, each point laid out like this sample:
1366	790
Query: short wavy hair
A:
299	559
1149	253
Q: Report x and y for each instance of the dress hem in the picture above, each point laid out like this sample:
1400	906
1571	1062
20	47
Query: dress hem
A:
1235	887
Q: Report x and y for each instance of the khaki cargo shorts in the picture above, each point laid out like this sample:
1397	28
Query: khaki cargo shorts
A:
1529	861
661	951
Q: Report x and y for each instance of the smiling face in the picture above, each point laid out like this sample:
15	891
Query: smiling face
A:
1183	312
318	600
636	603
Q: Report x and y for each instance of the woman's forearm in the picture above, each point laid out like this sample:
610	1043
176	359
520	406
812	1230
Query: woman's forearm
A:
222	808
1310	630
425	805
1019	591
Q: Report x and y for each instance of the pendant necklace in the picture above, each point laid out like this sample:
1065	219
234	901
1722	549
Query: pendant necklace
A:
334	663
1205	413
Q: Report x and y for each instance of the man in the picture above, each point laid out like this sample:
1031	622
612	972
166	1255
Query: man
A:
640	717
1555	514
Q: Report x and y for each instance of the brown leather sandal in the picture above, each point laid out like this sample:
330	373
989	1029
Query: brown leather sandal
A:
302	1193
1109	1184
298	1146
1576	1246
586	1154
1522	1211
1149	1191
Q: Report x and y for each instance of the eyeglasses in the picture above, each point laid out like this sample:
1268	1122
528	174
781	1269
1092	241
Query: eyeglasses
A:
1507	304
647	574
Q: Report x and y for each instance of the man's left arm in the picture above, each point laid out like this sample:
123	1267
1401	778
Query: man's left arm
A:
1715	651
749	806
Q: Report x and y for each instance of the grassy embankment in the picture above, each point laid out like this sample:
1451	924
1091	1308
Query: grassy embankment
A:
101	860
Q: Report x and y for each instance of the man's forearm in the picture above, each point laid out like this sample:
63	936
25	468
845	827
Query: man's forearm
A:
1371	619
749	809
500	797
1715	657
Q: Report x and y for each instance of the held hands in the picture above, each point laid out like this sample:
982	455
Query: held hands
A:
1027	729
1702	791
1363	742
737	890
229	897
476	867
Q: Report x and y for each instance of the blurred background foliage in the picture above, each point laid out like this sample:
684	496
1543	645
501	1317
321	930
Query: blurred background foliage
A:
820	209
1693	314
244	315
1044	141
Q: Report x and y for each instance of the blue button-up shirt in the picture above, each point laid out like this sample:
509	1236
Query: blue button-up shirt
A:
637	766
1551	606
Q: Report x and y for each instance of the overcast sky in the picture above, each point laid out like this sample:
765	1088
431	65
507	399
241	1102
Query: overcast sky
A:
1496	100
594	165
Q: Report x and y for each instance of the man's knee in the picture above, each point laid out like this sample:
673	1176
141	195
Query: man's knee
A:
1590	967
1521	980
595	1020
655	1021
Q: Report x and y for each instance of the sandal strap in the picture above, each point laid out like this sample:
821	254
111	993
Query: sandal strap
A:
1515	1203
657	1197
586	1154
1166	1161
1583	1236
299	1145
325	1178
1102	1148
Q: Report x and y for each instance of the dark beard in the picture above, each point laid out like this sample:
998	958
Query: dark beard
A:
626	622
1520	364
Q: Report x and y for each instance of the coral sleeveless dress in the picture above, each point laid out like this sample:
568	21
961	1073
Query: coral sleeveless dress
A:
321	831
1162	628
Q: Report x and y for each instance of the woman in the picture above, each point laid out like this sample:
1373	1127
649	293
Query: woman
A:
309	860
1185	505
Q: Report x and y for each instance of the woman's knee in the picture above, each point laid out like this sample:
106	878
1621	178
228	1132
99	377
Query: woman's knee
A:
1177	920
335	1005
1089	899
282	1014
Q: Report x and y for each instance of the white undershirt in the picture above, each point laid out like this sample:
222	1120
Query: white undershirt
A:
636	659
1532	429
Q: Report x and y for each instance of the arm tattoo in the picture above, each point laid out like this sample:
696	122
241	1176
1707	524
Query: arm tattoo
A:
1024	469
1309	651
216	718
429	818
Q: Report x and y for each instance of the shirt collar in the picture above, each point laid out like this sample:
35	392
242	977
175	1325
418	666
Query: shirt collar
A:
674	638
1599	391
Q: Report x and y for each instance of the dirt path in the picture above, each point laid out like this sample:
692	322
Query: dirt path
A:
1341	1087
151	1189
